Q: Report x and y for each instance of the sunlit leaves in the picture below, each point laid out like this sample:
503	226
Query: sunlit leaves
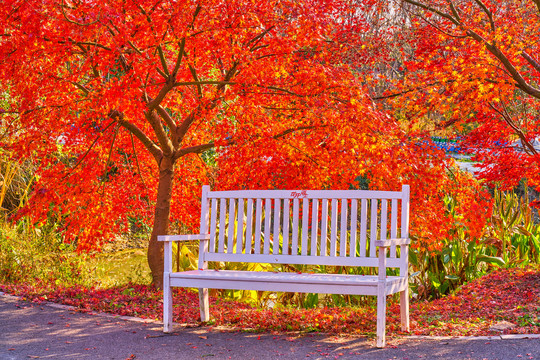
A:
505	295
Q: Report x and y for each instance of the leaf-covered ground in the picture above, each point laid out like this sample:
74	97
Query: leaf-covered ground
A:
509	296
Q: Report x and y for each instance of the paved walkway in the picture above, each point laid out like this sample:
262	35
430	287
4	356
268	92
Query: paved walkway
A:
38	331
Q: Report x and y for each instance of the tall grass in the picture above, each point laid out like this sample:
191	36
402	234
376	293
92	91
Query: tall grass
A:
29	253
16	179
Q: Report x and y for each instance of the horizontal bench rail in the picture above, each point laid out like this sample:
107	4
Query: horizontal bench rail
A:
301	259
305	194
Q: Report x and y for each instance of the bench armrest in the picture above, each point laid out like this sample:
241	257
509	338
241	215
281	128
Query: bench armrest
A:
167	251
190	237
392	242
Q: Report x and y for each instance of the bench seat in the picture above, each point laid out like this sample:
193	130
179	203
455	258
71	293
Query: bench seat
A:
282	281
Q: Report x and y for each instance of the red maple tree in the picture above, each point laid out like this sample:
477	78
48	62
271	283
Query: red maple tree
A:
121	100
472	66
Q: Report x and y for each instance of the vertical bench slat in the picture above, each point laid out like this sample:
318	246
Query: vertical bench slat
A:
294	240
240	227
404	256
314	226
205	209
374	203
354	222
286	219
222	226
258	211
267	220
213	216
333	228
305	226
393	226
275	243
363	227
324	226
343	228
230	232
205	212
204	305
384	219
249	225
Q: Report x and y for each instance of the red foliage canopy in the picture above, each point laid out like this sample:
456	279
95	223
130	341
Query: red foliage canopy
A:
473	65
115	99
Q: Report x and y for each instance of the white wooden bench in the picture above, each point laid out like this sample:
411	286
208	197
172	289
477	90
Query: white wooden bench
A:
324	227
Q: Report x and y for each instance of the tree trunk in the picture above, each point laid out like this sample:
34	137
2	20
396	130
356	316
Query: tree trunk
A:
161	220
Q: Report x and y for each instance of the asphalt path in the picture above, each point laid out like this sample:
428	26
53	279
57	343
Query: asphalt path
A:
49	331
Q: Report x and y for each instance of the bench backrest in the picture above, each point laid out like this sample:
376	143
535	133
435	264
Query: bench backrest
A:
320	227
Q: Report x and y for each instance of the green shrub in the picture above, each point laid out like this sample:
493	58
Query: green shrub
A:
28	253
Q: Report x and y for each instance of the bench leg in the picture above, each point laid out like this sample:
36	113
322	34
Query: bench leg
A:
167	304
203	305
381	316
404	309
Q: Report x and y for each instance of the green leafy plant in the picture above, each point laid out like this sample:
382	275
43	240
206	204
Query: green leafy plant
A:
512	231
460	260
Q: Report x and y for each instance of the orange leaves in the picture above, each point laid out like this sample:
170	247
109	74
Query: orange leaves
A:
107	90
266	93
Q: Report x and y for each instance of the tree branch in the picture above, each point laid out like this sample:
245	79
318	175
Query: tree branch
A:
182	130
441	30
179	58
488	13
109	157
134	48
537	2
88	43
531	60
165	76
383	97
154	103
81	87
508	119
171	124
259	37
163	61
284	91
134	129
228	76
137	160
290	131
429	8
492	48
164	141
202	82
197	149
197	11
194	74
454	11
88	150
514	73
71	21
